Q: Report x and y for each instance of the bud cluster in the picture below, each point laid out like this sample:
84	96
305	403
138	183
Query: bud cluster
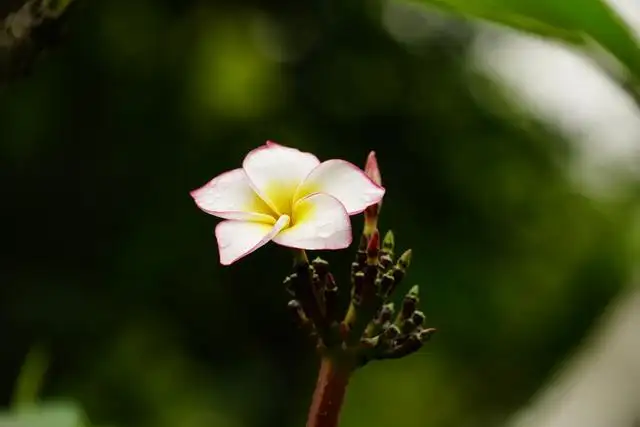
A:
367	326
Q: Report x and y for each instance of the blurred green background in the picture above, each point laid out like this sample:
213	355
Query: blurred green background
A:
112	269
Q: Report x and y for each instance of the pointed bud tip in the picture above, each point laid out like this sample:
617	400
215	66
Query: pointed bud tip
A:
321	266
405	258
389	240
414	291
371	157
294	304
371	168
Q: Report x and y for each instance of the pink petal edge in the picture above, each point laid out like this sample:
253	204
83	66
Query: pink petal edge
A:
282	222
351	165
228	214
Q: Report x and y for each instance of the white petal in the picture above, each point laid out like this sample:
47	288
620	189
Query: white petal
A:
239	238
276	171
344	181
319	222
230	196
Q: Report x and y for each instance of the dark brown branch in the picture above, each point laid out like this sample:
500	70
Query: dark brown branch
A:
328	396
27	28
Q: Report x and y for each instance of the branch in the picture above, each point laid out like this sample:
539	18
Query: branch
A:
329	393
28	28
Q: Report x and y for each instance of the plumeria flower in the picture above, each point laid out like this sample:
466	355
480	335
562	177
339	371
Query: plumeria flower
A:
288	196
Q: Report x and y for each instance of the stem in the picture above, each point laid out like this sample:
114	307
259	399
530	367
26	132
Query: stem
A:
329	393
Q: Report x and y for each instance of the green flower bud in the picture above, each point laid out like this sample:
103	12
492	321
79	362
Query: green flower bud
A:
418	318
388	243
320	266
405	259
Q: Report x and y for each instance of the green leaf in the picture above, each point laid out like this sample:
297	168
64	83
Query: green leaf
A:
61	414
31	377
577	22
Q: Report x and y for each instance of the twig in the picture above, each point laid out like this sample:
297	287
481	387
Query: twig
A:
26	31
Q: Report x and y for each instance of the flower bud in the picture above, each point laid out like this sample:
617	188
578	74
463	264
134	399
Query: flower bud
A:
371	168
358	285
410	303
298	313
288	283
388	243
400	269
300	318
372	212
418	318
405	259
386	312
321	267
426	334
295	308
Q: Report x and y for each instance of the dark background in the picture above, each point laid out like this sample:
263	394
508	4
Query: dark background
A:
110	266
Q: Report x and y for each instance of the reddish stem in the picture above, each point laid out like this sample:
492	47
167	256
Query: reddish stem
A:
329	394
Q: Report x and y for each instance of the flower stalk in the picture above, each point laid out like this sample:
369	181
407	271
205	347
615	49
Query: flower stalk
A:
328	396
369	327
291	198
